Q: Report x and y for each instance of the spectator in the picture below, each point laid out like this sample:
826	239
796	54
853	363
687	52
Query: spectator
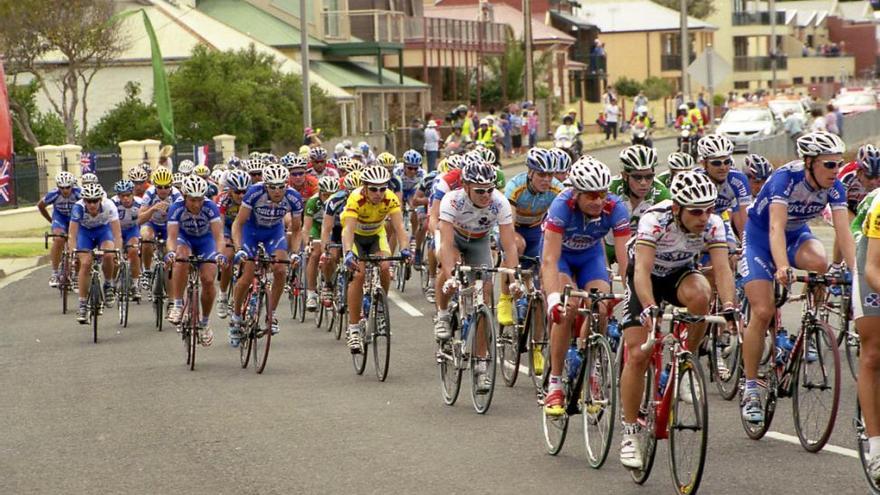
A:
793	124
506	128
417	136
831	120
311	137
516	130
600	121
533	127
432	145
165	159
640	100
612	116
819	123
608	96
703	107
457	141
679	99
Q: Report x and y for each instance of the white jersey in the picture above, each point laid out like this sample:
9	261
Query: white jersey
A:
127	216
472	222
675	248
106	213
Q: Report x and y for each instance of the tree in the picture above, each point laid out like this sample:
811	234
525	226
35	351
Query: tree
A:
82	34
656	88
243	93
627	87
129	119
506	75
700	9
46	127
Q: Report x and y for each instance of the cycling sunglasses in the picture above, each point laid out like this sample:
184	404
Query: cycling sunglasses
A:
642	178
276	187
163	187
719	162
698	212
297	174
595	194
93	201
832	164
484	190
379	189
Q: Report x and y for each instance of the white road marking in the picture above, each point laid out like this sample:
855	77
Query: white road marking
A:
834	449
402	304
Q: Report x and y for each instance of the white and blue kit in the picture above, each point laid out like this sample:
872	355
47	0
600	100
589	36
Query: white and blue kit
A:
194	229
787	186
409	185
159	219
93	229
128	218
61	206
266	221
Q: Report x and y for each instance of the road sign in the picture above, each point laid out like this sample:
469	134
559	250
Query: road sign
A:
709	69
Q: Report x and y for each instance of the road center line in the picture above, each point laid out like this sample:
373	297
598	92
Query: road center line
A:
834	449
402	304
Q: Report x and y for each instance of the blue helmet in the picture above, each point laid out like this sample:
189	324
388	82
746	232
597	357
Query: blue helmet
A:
869	159
412	157
123	186
758	167
238	180
540	160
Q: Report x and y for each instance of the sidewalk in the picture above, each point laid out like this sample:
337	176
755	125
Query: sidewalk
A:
11	266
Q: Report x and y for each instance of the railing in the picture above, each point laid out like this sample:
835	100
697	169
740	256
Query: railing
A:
756	18
441	32
673	61
749	64
596	64
377	26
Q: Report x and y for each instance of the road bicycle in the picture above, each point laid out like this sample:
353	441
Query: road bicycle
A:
296	290
837	313
95	298
425	276
65	266
333	306
529	334
159	280
257	316
863	447
192	305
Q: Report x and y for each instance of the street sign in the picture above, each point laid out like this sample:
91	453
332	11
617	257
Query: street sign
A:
709	69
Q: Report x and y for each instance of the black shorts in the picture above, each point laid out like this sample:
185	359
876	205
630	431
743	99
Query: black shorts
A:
336	235
516	140
665	289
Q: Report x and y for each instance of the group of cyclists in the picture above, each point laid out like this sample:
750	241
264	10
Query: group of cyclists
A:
568	221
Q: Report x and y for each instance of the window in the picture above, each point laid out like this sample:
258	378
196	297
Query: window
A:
740	46
740	85
797	80
810	40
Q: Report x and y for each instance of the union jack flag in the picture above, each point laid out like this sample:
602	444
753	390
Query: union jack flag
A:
87	163
5	182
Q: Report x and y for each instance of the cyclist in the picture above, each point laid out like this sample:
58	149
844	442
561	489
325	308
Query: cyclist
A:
261	219
237	183
177	180
195	227
318	164
153	216
139	177
662	257
94	223
301	180
363	234
410	174
186	167
314	216
716	156
859	177
572	254
128	205
678	162
331	229
62	199
777	237
530	194
467	216
254	168
757	170
561	161
89	178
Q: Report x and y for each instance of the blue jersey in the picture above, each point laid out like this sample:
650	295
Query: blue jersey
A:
734	193
106	213
409	184
580	232
127	216
151	197
265	213
788	186
194	224
530	207
335	205
62	205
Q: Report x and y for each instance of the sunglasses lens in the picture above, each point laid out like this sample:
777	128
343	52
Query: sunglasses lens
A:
596	194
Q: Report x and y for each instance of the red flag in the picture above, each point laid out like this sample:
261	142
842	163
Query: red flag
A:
6	149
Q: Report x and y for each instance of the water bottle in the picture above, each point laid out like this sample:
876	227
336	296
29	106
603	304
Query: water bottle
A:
613	330
521	308
572	363
365	305
465	325
664	377
783	346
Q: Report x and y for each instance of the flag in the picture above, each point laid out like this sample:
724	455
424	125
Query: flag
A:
200	154
6	191
88	163
161	93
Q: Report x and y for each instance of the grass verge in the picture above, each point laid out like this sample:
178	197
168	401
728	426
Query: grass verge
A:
22	250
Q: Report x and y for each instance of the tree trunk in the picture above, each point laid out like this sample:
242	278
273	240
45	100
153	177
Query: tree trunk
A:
21	117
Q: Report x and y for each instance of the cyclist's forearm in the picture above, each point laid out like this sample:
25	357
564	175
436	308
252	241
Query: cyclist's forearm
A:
44	211
723	276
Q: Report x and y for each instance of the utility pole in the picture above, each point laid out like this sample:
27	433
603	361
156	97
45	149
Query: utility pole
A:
527	34
685	51
304	62
772	8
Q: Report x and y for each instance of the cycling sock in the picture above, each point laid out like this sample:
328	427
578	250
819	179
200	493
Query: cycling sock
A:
442	313
873	446
178	303
630	428
203	322
555	383
751	386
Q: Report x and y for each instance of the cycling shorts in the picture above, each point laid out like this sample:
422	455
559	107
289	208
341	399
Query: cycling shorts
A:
534	237
365	245
664	289
336	235
93	238
160	231
474	252
60	221
203	246
865	300
273	239
757	261
584	266
133	232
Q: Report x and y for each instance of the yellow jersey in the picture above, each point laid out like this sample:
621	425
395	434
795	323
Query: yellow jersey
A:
871	224
370	217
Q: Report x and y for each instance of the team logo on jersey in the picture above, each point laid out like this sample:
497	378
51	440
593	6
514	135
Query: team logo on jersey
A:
872	300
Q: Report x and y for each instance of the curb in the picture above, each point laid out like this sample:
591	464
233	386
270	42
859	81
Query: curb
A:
40	261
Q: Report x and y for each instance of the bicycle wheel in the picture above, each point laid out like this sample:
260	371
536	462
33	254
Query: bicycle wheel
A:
554	428
509	357
816	388
598	399
450	374
538	328
359	360
379	329
262	334
64	280
319	314
862	442
853	347
726	351
249	324
482	396
95	304
688	426
301	293
768	402
292	292
159	295
185	331
400	276
647	434
123	291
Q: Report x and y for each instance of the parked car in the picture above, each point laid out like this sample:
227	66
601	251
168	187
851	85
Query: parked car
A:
855	101
745	123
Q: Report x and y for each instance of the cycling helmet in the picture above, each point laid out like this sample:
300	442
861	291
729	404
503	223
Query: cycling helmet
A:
638	157
303	151
161	177
138	174
356	166
455	162
233	162
412	157
92	190
217	176
195	186
561	160
177	179
145	166
680	161
869	159
202	171
66	179
252	166
298	162
819	143
588	174
89	179
318	154
254	154
352	181
478	172
269	158
123	186
693	189
275	174
186	167
377	174
757	166
487	154
714	146
386	159
363	146
219	166
540	160
238	180
287	160
328	184
343	163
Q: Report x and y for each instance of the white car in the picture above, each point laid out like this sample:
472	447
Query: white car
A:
743	124
855	102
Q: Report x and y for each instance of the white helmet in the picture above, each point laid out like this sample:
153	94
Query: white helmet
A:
328	184
589	174
377	174
177	179
714	146
238	180
680	161
252	166
819	143
476	172
693	189
92	190
195	186
560	160
65	179
137	174
89	179
217	176
186	167
275	174
638	157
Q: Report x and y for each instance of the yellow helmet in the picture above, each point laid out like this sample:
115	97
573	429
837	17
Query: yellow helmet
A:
352	181
161	177
443	166
304	151
202	171
386	159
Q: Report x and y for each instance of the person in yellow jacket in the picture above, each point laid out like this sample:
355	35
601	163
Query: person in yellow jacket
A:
695	116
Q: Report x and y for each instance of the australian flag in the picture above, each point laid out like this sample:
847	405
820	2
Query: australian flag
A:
88	162
6	192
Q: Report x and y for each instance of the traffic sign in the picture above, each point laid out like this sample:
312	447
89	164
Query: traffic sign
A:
709	69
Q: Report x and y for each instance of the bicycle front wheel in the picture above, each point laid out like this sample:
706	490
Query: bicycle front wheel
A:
599	400
124	289
159	295
688	426
726	365
64	278
379	328
96	302
816	387
647	435
483	362
508	343
262	332
538	350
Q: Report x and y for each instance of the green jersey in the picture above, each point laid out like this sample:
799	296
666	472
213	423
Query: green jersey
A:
315	209
658	193
499	180
861	212
665	178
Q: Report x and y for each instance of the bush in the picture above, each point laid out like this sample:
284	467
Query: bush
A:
718	100
129	119
627	87
656	88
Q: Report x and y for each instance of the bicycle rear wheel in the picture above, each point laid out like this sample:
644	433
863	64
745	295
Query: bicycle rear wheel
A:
379	328
726	352
450	374
482	398
647	434
262	335
768	402
96	302
159	295
538	331
598	399
123	292
688	426
853	347
862	442
816	388
509	357
359	360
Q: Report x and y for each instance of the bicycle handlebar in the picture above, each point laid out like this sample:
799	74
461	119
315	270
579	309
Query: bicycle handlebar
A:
677	314
47	235
97	252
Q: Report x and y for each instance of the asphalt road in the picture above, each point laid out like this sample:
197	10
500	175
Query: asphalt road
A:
126	416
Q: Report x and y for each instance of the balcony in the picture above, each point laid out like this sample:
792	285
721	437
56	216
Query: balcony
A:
673	61
455	34
597	65
753	64
756	18
368	26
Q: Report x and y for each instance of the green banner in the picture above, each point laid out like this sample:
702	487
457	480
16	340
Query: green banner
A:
161	94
